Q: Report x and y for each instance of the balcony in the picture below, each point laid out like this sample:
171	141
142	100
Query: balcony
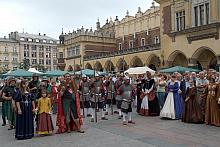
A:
199	32
124	52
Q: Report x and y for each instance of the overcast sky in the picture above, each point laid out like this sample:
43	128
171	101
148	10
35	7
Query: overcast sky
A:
49	16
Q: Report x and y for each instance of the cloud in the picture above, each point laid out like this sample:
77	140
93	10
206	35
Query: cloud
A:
49	16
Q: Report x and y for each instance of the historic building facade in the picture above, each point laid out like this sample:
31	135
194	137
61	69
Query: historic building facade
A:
9	54
40	50
190	32
118	45
178	32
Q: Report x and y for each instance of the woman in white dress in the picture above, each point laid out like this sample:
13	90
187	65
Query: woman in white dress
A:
168	110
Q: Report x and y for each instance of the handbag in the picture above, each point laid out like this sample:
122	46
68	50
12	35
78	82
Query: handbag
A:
125	104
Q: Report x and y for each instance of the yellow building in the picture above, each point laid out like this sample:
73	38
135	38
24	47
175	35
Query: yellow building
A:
178	32
190	32
9	54
118	45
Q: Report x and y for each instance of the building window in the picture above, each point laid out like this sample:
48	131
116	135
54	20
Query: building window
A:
34	47
180	21
34	54
48	55
15	67
156	40
61	55
15	59
48	62
6	49
34	61
37	40
201	13
26	47
120	46
22	39
30	40
51	41
26	54
142	41
14	49
131	44
41	61
5	58
44	41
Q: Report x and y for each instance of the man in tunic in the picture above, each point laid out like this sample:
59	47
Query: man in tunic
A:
71	105
98	99
85	96
201	85
125	91
118	97
110	93
34	86
10	108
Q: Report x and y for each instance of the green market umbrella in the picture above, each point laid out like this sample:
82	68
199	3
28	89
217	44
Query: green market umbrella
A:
56	73
178	69
87	72
19	73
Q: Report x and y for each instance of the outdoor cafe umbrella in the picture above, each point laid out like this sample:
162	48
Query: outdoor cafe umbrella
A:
139	70
19	73
87	72
56	73
179	69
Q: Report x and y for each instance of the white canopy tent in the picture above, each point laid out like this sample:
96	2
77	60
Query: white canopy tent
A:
33	70
139	70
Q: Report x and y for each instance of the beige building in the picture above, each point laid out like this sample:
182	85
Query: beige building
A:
40	50
9	54
190	32
119	44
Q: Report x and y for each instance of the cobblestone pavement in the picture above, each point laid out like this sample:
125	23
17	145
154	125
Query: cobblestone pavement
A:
147	132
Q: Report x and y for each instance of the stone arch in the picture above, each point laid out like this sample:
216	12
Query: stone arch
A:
70	68
88	66
177	58
98	66
153	62
136	62
109	66
121	65
205	58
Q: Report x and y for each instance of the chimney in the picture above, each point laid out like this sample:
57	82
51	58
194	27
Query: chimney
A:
44	34
39	34
4	37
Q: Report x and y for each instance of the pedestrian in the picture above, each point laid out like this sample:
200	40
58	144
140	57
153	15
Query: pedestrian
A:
54	97
161	93
44	120
126	107
25	109
192	112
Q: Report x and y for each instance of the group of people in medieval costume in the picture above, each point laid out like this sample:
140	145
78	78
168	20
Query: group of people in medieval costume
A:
28	106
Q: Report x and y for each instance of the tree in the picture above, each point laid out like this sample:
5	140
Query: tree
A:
25	64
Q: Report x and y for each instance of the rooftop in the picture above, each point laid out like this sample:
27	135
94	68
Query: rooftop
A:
7	40
35	36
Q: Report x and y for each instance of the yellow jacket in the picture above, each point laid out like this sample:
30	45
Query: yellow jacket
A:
44	105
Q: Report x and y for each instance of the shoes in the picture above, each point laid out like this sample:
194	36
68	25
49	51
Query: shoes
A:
131	122
119	117
3	124
89	115
80	131
116	112
106	113
124	123
104	118
11	128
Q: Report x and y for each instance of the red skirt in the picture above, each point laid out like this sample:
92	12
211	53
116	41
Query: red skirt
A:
44	124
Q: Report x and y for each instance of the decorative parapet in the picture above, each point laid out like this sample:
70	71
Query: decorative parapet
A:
123	52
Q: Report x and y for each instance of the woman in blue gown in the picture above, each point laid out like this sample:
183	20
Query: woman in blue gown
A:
25	108
178	101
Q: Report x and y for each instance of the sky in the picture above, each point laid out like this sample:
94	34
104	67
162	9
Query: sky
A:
50	16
